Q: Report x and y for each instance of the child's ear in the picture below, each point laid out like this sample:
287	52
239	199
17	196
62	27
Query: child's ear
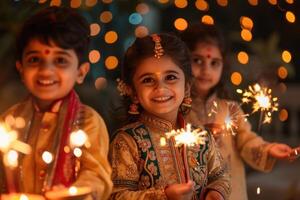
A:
83	69
19	67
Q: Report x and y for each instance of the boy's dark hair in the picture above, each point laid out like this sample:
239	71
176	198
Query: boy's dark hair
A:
143	48
210	34
64	26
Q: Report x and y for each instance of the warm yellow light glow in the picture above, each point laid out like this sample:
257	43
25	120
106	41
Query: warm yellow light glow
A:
163	141
142	8
246	35
258	190
141	31
111	62
236	78
55	3
94	56
78	138
91	3
207	19
163	1
180	24
243	57
253	2
201	5
42	1
11	158
223	3
77	152
24	197
111	37
289	1
286	56
47	157
282	72
106	17
181	3
73	190
272	2
95	29
6	138
246	23
283	115
75	3
67	149
100	84
290	17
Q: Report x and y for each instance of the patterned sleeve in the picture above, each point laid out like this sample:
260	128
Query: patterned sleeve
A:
253	149
95	170
218	175
126	168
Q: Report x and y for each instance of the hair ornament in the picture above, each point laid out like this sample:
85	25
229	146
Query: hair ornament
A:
123	88
158	49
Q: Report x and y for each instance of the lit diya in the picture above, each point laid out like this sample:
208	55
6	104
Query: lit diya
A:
71	193
19	196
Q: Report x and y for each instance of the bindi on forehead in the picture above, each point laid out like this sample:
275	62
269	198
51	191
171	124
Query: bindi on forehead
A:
47	51
208	52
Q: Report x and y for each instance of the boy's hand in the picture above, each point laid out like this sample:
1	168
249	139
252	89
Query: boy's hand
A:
280	151
213	195
182	191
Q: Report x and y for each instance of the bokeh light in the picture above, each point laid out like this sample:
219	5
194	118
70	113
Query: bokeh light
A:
42	1
207	19
290	17
180	24
246	35
223	3
75	3
289	1
181	3
272	2
94	56
201	5
286	56
111	62
100	83
111	37
55	3
283	115
95	29
91	3
135	18
141	31
142	8
246	23
106	17
163	1
253	2
282	72
243	57
236	78
282	87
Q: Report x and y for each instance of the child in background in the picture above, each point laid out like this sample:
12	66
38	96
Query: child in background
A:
156	74
209	69
52	57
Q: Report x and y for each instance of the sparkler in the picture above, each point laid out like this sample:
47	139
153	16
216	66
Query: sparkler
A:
262	100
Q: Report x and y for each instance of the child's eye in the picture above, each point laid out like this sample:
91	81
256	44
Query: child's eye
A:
33	59
61	61
171	77
216	63
197	61
148	80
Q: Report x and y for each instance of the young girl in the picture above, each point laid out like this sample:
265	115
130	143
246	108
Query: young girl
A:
156	75
209	71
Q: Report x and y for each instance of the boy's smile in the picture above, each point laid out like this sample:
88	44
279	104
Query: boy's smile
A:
159	86
50	72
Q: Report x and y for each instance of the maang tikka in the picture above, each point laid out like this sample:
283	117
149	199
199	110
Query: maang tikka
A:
158	49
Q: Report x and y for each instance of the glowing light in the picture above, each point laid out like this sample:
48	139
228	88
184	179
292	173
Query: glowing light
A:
258	190
107	1
188	137
236	78
67	149
106	17
42	1
141	31
207	19
163	141
111	62
282	87
283	115
289	1
142	8
163	1
135	18
47	157
111	37
243	57
90	3
94	56
282	72
253	2
100	83
181	3
246	23
290	17
95	29
55	3
78	138
223	3
272	2
73	190
201	5
11	158
180	24
77	152
20	122
75	3
246	35
286	56
261	99
23	197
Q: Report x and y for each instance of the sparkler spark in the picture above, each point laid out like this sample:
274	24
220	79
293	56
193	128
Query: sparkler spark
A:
262	100
187	136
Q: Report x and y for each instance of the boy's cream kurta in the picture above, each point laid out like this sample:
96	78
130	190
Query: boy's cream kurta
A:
245	145
95	170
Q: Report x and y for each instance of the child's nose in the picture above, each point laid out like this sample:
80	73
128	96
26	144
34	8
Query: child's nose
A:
46	67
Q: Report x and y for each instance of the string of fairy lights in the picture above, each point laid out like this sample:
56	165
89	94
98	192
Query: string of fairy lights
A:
142	9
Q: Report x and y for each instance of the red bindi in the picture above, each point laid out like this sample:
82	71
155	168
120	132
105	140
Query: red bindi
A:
47	51
208	56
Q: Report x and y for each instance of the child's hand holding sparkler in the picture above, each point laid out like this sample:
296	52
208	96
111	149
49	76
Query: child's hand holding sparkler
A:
280	151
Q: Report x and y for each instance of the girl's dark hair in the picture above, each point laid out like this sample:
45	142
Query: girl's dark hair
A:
64	26
143	48
203	33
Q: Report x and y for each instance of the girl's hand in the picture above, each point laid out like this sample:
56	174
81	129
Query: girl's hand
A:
213	195
280	151
182	191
